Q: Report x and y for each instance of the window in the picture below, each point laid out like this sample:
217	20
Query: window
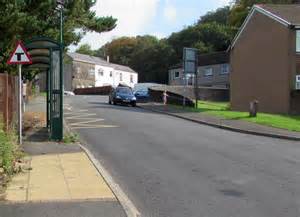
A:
100	72
121	77
131	78
224	69
91	72
298	41
176	74
208	72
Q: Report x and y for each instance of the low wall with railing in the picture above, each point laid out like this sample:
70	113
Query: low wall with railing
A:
93	91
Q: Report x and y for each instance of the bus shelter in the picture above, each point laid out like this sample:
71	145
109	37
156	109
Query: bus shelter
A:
47	57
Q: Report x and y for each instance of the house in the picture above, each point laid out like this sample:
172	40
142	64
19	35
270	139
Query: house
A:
265	60
83	71
213	71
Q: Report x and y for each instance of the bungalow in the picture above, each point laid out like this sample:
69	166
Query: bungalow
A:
213	71
265	60
83	71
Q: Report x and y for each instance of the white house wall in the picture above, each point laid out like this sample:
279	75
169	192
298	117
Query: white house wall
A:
105	79
114	80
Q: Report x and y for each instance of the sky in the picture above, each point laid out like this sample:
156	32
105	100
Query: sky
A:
156	17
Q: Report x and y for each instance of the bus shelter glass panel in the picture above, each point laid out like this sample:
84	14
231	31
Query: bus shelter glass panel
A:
56	116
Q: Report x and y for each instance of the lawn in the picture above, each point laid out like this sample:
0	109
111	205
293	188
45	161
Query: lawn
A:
222	109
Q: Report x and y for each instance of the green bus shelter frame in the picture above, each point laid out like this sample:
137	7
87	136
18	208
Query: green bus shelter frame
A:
47	57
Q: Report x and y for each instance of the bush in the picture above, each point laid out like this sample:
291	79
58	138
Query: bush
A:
7	150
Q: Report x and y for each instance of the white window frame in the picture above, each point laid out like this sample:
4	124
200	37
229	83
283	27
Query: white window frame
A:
131	78
206	74
91	72
298	40
224	69
101	72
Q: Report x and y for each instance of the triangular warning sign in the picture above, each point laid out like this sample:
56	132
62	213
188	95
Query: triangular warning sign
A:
20	55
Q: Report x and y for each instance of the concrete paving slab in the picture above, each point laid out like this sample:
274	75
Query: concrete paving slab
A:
68	176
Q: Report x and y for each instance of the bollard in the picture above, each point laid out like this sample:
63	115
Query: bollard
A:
253	108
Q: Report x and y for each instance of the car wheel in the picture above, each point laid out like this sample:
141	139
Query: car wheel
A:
133	104
114	103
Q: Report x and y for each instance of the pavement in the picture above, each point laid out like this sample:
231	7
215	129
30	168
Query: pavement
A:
57	179
170	167
219	122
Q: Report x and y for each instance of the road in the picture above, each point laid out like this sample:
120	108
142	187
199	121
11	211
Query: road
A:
171	167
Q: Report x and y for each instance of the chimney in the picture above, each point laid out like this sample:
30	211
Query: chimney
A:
107	59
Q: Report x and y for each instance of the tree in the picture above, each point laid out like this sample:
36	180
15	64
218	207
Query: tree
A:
207	37
119	50
220	16
23	19
85	49
147	55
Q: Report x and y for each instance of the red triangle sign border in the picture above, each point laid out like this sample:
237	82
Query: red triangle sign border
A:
10	62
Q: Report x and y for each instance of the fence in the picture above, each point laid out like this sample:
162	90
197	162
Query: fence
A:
8	100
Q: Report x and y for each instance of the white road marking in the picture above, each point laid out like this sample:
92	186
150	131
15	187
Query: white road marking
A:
86	122
94	126
80	116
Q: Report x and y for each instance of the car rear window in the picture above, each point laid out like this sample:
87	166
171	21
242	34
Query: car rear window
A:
124	90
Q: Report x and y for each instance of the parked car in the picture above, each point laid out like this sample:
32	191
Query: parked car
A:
142	95
122	95
68	93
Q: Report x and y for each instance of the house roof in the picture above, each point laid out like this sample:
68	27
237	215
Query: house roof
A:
209	59
286	14
98	61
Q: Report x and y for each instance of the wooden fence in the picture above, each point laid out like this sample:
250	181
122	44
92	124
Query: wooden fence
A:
8	100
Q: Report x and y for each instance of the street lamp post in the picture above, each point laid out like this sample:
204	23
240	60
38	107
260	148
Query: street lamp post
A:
60	4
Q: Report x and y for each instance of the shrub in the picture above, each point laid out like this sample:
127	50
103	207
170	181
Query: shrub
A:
7	150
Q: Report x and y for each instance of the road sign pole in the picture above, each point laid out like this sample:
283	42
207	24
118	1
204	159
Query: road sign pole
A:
20	104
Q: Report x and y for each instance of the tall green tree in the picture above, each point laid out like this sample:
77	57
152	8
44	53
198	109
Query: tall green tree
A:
85	49
147	55
119	50
207	37
24	19
220	16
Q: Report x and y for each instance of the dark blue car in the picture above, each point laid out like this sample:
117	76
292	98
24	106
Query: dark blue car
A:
142	95
122	95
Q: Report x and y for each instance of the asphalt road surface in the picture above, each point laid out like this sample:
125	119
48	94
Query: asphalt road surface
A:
171	167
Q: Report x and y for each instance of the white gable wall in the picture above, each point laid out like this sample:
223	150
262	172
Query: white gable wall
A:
126	78
110	76
103	79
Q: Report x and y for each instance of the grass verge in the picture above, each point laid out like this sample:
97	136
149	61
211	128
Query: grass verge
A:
222	109
70	138
10	154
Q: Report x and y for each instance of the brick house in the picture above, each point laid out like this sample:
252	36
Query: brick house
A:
265	60
213	71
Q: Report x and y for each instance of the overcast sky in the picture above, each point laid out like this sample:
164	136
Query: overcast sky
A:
155	17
